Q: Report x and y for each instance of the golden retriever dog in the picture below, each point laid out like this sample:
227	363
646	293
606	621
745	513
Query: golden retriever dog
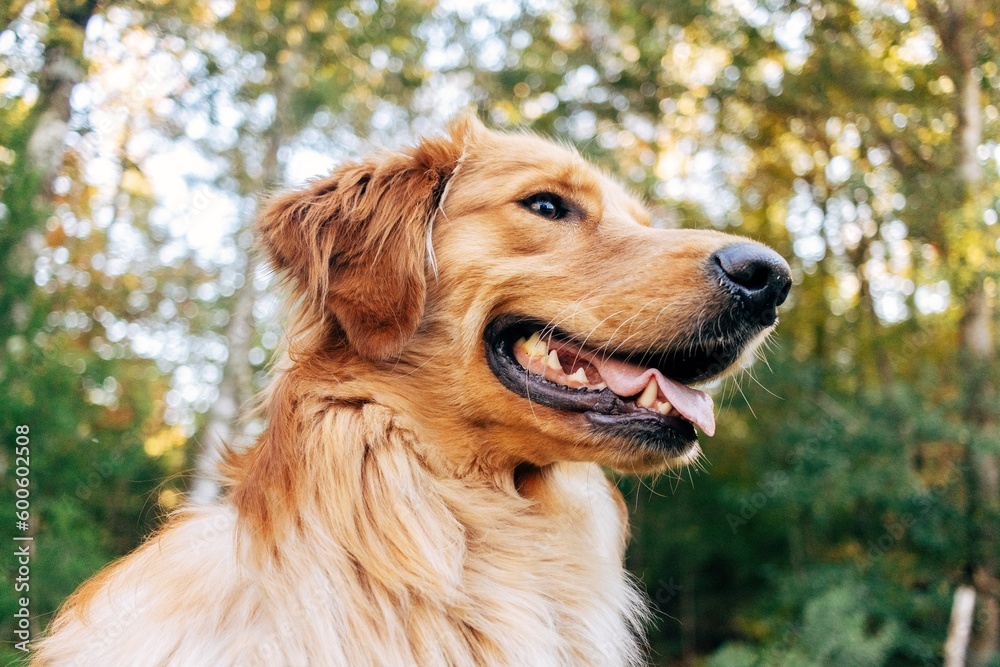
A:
480	323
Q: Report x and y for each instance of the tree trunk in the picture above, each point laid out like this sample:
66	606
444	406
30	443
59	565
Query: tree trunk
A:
235	390
977	344
59	75
62	69
960	626
236	386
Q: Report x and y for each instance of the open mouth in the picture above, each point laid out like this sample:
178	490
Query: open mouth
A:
641	397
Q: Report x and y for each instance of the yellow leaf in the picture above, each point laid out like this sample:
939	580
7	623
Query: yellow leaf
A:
163	441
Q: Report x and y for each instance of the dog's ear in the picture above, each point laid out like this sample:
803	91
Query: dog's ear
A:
355	243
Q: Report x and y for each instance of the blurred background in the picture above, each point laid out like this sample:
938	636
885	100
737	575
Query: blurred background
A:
854	485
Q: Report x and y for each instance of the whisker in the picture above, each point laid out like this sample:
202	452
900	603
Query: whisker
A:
747	401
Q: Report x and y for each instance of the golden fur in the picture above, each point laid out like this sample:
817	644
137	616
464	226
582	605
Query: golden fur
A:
402	507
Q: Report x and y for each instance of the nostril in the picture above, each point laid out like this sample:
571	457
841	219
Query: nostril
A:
783	293
755	277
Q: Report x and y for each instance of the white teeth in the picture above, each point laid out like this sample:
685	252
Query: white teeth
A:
535	346
648	397
541	360
664	407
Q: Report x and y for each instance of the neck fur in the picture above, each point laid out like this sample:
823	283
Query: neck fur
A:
351	515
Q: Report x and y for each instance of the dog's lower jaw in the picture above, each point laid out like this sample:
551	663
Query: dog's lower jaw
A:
377	559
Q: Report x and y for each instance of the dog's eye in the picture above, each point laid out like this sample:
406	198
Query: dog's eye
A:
547	205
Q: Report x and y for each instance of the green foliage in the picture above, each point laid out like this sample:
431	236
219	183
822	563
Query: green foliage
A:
90	480
834	631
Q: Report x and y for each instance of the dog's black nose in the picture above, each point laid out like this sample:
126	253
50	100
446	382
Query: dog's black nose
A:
758	276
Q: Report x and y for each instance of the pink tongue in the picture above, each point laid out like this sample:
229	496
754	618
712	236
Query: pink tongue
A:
627	380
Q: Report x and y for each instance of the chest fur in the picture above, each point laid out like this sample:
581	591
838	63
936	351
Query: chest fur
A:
537	582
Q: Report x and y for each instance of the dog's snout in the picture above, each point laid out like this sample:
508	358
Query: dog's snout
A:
759	276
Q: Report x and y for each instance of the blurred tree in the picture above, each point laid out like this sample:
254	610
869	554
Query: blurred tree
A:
86	299
36	142
962	30
834	631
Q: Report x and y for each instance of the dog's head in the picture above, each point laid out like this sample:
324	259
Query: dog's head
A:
516	302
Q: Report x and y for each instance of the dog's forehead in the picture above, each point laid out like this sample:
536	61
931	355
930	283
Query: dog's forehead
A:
619	200
522	150
526	162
